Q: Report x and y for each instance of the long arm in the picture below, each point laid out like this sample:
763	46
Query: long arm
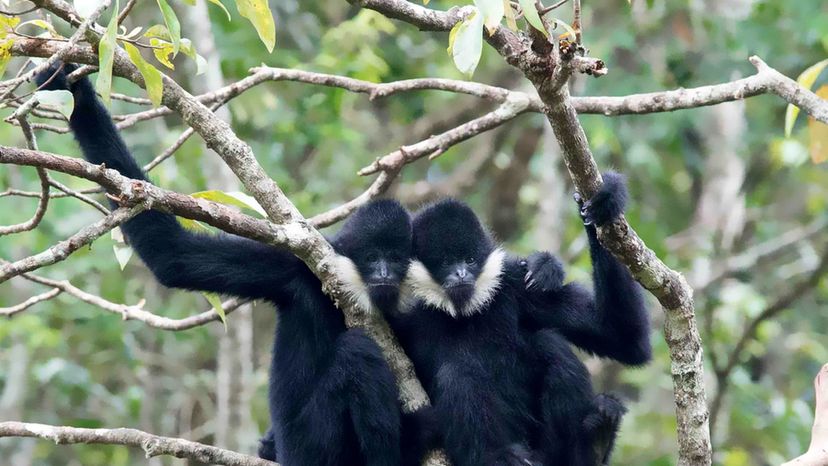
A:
613	322
178	258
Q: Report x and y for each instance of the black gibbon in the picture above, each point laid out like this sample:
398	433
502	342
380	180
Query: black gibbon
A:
333	398
488	337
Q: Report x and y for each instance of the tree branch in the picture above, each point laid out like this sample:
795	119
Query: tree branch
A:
63	249
515	104
749	333
9	86
133	312
10	311
153	445
43	201
757	253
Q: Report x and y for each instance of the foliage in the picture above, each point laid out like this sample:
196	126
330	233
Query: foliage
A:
90	368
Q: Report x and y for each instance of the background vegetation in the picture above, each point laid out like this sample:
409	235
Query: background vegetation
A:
707	185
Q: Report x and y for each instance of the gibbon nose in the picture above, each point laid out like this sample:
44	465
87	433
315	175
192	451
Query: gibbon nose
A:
462	272
383	271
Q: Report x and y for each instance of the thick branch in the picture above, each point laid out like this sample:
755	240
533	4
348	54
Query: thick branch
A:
153	445
426	19
672	291
138	192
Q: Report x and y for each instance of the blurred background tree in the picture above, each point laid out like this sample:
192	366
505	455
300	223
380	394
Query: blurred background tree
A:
719	193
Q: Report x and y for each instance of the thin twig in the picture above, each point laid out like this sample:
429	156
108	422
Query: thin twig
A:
749	333
576	21
514	105
125	12
60	55
544	11
10	311
69	192
43	202
178	143
63	249
136	312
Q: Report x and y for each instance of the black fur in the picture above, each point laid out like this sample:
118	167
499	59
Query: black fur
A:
608	203
613	322
506	385
602	425
477	369
333	398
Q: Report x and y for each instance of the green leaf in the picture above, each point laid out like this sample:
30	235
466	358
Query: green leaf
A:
453	36
122	254
152	77
7	25
5	53
162	50
188	49
215	301
162	46
468	44
492	11
818	133
531	15
133	34
61	100
173	26
806	80
192	225
158	30
122	251
258	12
223	8
42	25
510	15
234	198
570	33
106	54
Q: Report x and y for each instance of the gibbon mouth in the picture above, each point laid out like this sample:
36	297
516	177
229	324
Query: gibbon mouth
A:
459	294
383	285
458	285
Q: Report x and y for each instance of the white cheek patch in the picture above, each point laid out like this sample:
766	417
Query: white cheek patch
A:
355	290
488	283
419	283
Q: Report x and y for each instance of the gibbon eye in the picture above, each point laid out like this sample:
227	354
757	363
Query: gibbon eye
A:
372	256
470	260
